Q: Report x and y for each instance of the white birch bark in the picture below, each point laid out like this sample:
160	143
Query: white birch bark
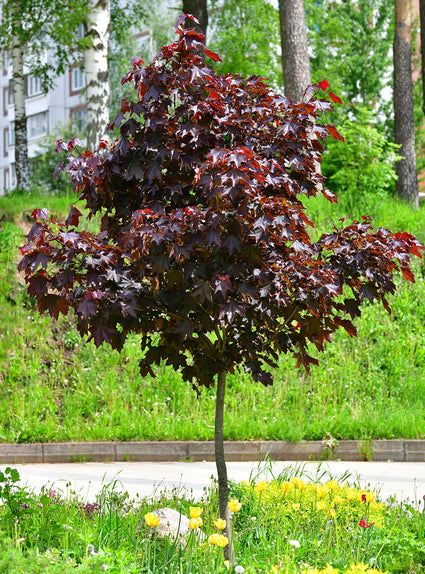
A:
22	166
97	29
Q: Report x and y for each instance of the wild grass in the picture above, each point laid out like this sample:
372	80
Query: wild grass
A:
291	524
56	387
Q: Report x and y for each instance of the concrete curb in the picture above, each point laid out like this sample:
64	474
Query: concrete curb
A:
397	450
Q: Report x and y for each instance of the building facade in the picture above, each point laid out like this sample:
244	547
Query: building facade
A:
46	113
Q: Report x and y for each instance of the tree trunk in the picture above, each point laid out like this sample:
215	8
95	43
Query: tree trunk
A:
295	58
407	182
97	30
220	461
197	8
422	17
22	166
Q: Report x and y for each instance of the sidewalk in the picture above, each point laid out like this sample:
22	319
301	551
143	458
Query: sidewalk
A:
398	450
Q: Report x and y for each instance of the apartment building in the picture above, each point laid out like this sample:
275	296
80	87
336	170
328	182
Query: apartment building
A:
46	113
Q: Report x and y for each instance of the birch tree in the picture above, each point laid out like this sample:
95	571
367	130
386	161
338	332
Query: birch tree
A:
97	30
38	34
404	127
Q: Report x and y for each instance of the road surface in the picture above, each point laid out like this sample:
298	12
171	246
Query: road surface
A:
406	480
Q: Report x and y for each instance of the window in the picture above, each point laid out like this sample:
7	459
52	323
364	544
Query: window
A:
11	134
78	79
5	99
6	142
6	181
79	119
32	86
37	125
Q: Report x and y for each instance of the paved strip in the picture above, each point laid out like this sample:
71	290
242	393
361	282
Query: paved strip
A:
397	450
405	480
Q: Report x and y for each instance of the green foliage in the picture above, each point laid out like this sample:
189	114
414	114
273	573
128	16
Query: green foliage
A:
361	171
351	47
246	34
43	166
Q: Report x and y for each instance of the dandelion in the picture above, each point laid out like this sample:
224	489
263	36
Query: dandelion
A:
296	506
320	505
195	511
220	524
261	486
294	543
152	519
239	569
195	523
234	505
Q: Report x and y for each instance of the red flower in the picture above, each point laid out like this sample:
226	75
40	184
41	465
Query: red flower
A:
363	497
363	523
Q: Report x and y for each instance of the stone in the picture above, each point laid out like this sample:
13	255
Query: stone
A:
173	523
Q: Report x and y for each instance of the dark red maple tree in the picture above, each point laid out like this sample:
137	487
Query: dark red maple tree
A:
203	246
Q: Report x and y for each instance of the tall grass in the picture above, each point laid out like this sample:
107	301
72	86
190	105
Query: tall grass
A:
56	387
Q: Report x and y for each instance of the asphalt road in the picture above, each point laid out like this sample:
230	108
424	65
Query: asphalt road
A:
406	480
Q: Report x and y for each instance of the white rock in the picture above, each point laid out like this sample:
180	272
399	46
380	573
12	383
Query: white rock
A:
173	523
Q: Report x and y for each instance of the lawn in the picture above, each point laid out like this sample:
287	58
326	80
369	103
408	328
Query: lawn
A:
57	387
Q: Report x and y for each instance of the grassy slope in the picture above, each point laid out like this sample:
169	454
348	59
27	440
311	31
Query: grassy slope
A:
54	387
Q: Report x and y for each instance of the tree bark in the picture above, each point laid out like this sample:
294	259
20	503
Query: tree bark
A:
97	29
199	9
220	461
295	57
407	182
22	166
422	18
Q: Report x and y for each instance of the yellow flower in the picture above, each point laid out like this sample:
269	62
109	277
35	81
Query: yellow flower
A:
222	541
370	496
314	487
296	506
332	485
350	494
302	485
152	519
332	513
320	505
322	491
227	564
261	486
359	496
295	481
195	523
213	539
195	511
338	499
286	486
220	524
234	505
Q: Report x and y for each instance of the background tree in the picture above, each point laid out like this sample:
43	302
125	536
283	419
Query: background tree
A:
38	34
203	245
199	9
97	30
295	57
246	34
404	128
350	45
422	35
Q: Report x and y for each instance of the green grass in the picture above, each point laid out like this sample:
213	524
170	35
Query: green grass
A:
288	525
56	387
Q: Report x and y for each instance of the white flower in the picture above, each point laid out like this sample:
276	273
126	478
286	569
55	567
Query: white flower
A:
239	569
294	543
